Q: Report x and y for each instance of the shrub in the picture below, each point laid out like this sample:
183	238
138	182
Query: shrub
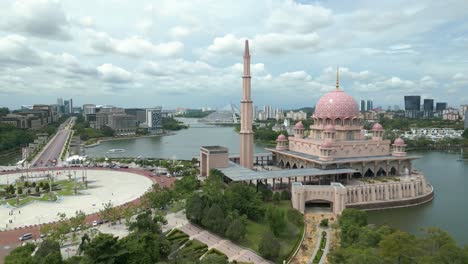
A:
324	222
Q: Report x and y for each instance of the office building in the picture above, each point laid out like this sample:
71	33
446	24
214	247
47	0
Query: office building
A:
440	106
413	106
138	113
362	106
122	124
154	118
370	105
428	108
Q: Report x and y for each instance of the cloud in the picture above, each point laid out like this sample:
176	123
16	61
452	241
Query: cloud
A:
100	42
39	18
87	22
179	32
300	18
271	43
177	67
114	74
14	50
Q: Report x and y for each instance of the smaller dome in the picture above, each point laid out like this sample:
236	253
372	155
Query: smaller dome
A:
377	127
399	142
326	145
299	125
329	128
281	137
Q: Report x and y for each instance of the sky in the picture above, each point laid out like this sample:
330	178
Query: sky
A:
134	53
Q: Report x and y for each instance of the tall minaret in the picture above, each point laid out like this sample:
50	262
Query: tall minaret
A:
246	131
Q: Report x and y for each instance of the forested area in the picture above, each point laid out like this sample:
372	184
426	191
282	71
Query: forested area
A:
364	243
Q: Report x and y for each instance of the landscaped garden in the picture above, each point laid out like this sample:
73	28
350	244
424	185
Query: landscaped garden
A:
262	221
29	191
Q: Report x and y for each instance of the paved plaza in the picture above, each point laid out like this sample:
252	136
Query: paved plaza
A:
117	187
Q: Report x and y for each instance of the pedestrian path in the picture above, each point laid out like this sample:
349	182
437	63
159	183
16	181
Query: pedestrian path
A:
317	245
231	250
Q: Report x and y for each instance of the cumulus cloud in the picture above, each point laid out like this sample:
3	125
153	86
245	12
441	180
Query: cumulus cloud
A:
176	67
14	50
271	43
301	18
39	18
100	42
179	32
114	74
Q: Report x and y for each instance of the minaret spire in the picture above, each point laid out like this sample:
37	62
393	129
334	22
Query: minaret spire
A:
246	131
337	78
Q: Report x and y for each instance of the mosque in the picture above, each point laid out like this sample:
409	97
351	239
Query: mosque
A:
331	162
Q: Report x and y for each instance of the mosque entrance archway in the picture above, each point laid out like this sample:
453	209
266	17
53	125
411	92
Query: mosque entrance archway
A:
281	164
319	206
381	172
369	173
393	171
294	166
287	166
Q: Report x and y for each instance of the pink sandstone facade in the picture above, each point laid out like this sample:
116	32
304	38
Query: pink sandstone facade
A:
384	175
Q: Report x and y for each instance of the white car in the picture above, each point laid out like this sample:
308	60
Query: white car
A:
95	223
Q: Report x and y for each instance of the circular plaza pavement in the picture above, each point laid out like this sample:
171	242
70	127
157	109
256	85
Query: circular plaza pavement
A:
115	186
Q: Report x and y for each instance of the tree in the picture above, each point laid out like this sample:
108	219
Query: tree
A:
185	186
214	259
194	208
48	247
236	230
146	223
107	131
295	217
145	248
104	248
465	133
269	246
324	222
245	200
213	219
20	255
276	197
399	247
159	197
285	195
275	219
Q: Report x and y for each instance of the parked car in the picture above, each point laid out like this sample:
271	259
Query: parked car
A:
26	237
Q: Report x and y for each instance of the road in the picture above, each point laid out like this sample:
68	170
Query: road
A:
53	149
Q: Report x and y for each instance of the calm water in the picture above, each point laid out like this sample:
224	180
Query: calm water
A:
449	209
185	144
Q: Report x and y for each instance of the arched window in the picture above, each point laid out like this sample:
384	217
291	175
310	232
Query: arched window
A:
347	122
328	121
349	135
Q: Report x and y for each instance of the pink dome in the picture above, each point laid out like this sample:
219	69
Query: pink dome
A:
377	126
335	104
281	137
329	128
326	145
399	142
299	125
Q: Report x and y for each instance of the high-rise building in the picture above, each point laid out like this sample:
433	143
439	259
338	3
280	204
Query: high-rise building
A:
441	106
428	108
370	105
60	101
412	106
88	109
154	120
363	106
139	113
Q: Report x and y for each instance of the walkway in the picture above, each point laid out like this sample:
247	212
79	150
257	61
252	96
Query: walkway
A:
231	250
317	246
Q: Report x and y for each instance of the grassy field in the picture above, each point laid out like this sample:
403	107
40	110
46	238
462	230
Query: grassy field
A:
287	238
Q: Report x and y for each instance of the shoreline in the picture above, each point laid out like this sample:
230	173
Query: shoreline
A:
100	140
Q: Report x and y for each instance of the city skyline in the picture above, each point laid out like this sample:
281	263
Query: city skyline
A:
178	54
